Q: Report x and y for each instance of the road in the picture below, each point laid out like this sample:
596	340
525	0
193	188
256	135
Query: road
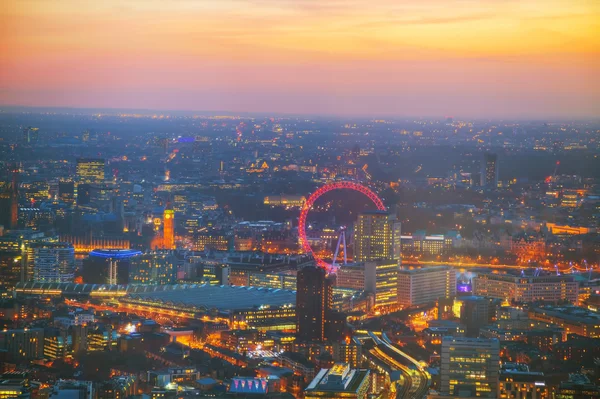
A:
414	380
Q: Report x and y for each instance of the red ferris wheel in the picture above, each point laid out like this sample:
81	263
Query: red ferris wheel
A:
343	185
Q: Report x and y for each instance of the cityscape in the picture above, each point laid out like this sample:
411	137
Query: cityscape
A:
264	199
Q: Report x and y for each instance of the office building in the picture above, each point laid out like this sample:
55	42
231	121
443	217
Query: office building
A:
517	382
156	267
348	352
376	237
420	243
550	288
57	344
90	170
120	387
314	299
573	319
53	262
470	367
23	344
213	240
386	283
359	276
578	386
340	381
476	312
425	285
489	171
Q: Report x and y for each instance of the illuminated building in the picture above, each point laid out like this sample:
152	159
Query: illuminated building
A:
419	243
425	285
578	386
53	262
285	200
240	340
86	244
314	298
476	312
156	267
528	248
56	344
470	367
177	375
376	236
573	319
577	349
357	276
168	228
71	389
14	385
23	344
516	381
108	266
213	239
489	171
348	352
386	283
283	280
340	381
549	288
9	203
299	364
101	338
90	170
30	135
66	191
116	388
570	199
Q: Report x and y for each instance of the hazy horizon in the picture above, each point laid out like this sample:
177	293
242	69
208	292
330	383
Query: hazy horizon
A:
529	59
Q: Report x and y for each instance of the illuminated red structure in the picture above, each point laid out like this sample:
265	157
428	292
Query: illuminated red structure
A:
343	185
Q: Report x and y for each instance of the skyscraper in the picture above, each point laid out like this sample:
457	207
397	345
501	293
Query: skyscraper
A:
90	170
168	228
470	367
314	297
376	237
489	171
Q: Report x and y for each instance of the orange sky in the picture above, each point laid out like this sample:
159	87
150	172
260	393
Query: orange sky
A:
513	58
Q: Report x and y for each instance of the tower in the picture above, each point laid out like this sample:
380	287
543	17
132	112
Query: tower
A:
314	297
376	237
489	171
168	230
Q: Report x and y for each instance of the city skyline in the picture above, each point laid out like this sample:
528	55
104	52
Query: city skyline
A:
466	59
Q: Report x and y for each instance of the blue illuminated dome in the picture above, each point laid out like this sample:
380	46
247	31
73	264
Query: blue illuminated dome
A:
115	253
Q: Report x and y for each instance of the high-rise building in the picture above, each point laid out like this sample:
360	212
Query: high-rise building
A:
157	267
376	237
386	283
53	262
340	381
314	298
489	171
168	228
470	367
23	344
30	135
90	170
425	285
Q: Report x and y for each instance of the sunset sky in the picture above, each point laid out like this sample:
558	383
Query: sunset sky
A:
485	58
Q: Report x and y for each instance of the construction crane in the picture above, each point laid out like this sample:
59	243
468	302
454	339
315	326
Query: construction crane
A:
552	178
